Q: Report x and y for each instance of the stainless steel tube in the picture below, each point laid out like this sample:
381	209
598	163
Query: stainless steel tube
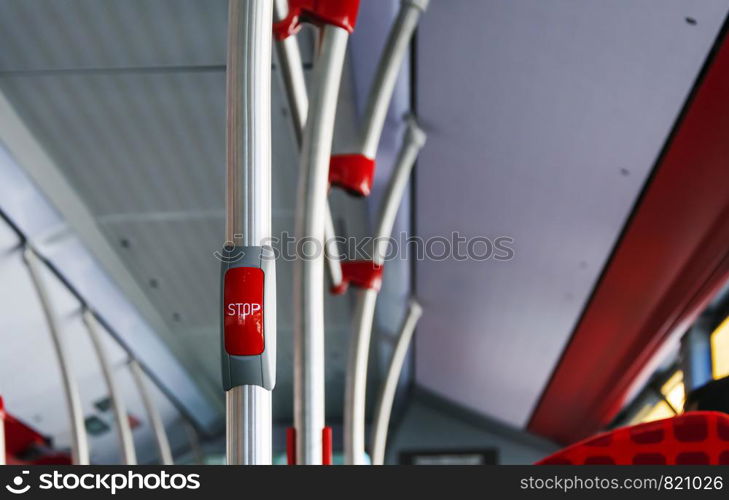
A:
124	431
356	378
389	386
331	251
292	74
155	420
249	405
413	141
310	223
79	441
248	200
388	70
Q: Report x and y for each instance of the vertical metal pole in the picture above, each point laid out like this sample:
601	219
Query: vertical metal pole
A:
292	73
126	441
248	204
79	442
389	386
388	70
158	427
356	379
310	224
249	426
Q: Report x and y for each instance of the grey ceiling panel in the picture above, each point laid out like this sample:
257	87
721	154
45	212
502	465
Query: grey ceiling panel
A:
41	35
545	119
124	139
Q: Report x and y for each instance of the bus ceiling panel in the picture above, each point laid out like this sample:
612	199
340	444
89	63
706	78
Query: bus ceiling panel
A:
9	240
89	35
545	120
137	129
673	254
54	239
18	192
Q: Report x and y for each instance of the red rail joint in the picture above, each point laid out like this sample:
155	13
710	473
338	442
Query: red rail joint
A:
291	446
359	273
353	172
326	446
341	13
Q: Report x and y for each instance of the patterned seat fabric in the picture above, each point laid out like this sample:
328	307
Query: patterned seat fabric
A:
700	437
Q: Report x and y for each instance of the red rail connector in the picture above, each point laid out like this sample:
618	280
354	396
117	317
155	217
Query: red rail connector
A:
341	13
352	172
359	273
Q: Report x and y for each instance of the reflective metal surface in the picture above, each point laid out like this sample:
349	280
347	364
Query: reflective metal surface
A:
310	225
248	202
79	440
126	441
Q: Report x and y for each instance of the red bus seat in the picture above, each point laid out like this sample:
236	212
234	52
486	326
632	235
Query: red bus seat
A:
700	437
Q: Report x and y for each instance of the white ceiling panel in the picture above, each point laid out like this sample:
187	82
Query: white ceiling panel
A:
545	119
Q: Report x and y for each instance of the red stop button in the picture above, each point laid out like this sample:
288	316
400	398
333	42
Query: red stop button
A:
243	311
